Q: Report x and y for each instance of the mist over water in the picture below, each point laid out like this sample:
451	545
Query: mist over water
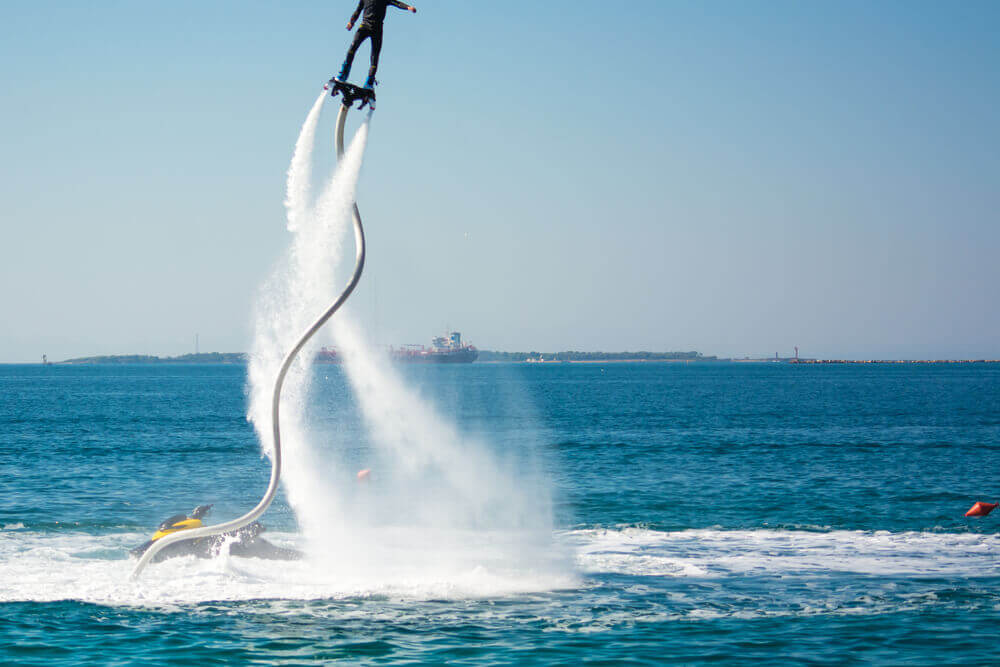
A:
442	512
441	501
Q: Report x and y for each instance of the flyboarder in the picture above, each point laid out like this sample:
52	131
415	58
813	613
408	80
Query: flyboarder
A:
370	28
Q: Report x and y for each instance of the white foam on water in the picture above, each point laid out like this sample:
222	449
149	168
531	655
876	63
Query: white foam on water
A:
711	553
44	567
37	566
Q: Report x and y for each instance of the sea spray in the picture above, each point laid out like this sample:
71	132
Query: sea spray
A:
422	446
441	511
441	505
299	290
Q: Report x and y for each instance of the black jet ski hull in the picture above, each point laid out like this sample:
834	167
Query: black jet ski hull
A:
245	543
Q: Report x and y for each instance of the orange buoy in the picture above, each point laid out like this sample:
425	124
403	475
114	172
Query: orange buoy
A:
981	509
364	475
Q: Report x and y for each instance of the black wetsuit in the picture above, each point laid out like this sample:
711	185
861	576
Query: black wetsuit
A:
371	26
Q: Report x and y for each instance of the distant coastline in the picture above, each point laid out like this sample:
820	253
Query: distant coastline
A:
487	356
202	358
495	357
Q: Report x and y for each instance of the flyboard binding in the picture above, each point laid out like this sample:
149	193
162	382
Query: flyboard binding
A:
351	93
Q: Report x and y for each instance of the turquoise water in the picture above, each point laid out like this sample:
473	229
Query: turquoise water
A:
701	513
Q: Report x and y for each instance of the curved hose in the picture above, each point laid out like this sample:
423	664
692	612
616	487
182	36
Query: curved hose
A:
272	486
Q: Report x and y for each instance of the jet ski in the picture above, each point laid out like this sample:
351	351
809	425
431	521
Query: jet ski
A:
245	542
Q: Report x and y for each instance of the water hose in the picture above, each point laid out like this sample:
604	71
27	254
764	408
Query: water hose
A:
272	486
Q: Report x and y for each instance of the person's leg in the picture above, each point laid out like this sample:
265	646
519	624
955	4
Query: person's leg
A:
345	69
376	50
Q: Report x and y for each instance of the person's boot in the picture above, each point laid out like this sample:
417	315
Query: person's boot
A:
370	82
345	71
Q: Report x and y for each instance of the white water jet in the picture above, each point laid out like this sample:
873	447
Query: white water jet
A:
442	504
302	286
299	180
442	512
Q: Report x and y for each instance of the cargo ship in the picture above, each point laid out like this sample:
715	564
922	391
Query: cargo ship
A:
443	350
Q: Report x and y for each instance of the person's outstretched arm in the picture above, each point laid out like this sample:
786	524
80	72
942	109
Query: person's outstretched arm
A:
356	14
403	5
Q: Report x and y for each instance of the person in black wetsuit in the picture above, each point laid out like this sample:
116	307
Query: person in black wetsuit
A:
371	27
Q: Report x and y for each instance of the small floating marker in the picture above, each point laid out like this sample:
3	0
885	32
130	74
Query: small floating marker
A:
363	475
981	509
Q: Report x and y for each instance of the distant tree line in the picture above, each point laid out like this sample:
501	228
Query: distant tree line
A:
203	358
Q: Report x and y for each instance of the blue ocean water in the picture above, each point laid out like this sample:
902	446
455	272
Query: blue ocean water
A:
711	513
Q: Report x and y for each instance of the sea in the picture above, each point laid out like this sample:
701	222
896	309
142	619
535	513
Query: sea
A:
724	513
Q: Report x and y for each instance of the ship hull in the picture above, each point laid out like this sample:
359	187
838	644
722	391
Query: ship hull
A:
465	355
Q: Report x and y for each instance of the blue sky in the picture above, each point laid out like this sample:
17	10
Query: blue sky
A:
732	177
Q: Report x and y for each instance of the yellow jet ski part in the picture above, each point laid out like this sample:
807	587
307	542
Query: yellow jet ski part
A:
186	524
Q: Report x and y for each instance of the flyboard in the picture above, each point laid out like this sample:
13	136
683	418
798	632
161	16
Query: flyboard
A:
352	94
